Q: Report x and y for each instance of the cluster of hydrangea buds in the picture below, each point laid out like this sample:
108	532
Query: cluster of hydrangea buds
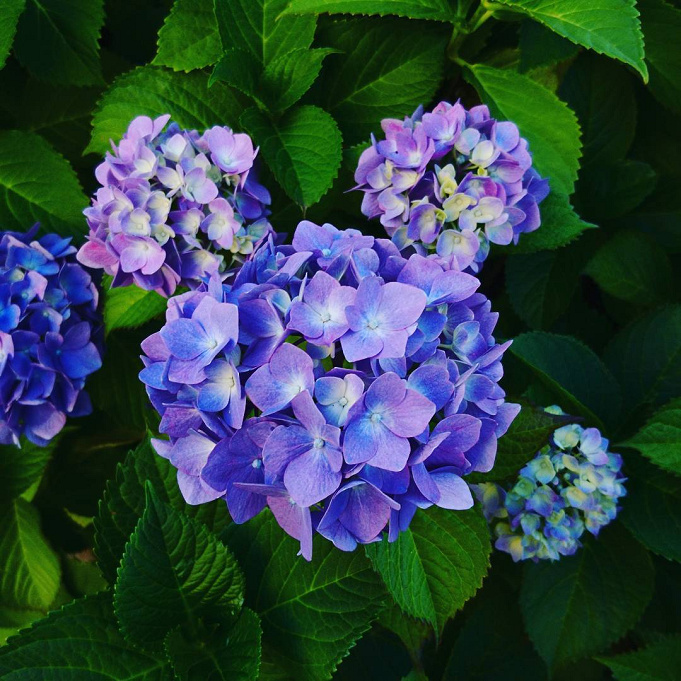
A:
572	485
50	336
172	203
451	181
310	381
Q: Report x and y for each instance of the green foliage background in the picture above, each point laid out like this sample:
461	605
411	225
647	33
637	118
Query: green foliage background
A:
137	584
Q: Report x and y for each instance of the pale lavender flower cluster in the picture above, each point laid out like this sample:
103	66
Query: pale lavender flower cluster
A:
451	181
171	202
334	380
50	336
572	485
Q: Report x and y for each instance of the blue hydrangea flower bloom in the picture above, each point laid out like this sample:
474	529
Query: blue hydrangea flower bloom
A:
50	336
334	380
572	485
451	181
172	203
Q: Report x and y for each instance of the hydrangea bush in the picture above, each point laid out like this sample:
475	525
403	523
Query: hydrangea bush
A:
174	206
572	485
334	380
451	181
50	335
347	246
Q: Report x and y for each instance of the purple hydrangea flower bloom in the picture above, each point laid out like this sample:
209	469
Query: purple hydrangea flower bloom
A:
333	380
172	204
50	336
572	485
451	181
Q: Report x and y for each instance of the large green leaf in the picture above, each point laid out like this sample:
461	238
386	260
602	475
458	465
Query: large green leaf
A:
8	26
130	306
38	185
80	641
548	125
387	69
173	572
303	150
123	504
440	10
645	357
610	27
433	568
661	25
607	115
660	439
581	604
12	621
155	91
257	27
560	225
29	569
528	433
632	267
540	46
231	654
189	37
312	613
652	507
58	40
659	661
21	467
572	373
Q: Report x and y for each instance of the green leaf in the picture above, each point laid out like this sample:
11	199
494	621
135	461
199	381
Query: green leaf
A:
80	641
131	306
660	439
231	654
661	25
581	604
437	565
652	508
388	68
38	185
660	661
8	26
123	504
645	358
438	10
541	285
257	27
548	125
312	613
607	115
303	150
21	467
540	46
528	433
610	27
58	40
12	621
173	572
189	37
29	569
155	91
560	225
572	373
632	267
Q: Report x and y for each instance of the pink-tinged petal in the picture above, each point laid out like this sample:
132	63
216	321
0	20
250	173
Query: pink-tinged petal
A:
310	477
364	344
293	366
268	394
295	520
95	254
392	452
386	392
411	417
401	306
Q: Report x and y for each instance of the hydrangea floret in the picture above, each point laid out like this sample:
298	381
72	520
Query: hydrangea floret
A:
172	204
451	181
50	336
310	382
572	485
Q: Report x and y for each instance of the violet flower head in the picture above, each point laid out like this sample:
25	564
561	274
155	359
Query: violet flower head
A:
50	336
335	380
572	485
451	181
175	207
